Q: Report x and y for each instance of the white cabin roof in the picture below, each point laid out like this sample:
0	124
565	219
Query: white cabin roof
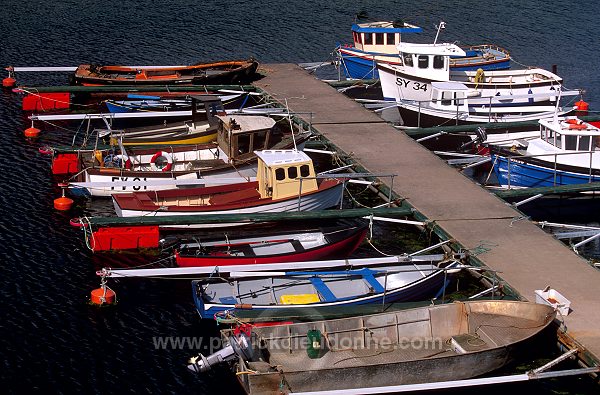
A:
449	86
445	49
565	128
248	123
281	157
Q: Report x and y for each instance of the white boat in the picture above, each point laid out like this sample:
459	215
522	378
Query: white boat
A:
124	169
423	64
286	181
565	152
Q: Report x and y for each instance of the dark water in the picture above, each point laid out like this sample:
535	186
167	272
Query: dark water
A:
51	340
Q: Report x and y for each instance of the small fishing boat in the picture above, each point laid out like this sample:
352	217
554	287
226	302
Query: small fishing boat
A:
320	289
446	342
423	64
102	172
565	152
375	42
272	246
222	72
285	181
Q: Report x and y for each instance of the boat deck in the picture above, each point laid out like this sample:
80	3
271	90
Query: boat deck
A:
527	257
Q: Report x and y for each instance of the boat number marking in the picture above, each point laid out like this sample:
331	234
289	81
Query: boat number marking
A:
135	187
418	86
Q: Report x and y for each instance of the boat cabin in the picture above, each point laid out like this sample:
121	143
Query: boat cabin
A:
430	61
570	134
240	135
280	171
380	37
450	96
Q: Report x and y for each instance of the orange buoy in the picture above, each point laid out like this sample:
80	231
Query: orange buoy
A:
9	82
63	203
582	106
32	132
103	295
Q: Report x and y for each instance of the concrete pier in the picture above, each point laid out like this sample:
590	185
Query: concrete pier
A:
527	257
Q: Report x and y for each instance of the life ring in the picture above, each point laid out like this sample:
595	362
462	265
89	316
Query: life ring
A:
576	126
573	121
167	157
120	161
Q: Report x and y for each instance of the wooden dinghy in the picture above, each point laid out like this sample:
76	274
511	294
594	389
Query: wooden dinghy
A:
429	344
286	181
321	289
294	245
213	73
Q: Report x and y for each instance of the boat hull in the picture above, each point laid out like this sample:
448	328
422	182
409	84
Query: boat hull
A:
341	247
322	199
226	72
454	341
398	85
415	286
524	174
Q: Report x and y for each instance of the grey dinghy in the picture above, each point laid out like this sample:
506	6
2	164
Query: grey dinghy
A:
453	341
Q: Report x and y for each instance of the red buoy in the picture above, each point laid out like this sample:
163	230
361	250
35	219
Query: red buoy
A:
582	106
32	132
9	82
103	295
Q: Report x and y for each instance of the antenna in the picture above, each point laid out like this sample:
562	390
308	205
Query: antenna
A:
441	26
291	125
557	104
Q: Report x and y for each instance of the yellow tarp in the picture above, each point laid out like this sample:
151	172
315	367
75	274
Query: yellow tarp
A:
299	299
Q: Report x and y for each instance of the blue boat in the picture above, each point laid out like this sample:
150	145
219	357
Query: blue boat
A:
376	42
312	290
565	153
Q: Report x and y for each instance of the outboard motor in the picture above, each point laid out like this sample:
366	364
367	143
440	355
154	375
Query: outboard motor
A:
239	346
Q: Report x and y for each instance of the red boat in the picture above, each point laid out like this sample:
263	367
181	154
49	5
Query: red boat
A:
273	247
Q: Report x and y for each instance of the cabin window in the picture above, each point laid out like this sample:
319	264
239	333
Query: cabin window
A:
391	38
368	38
571	143
304	171
584	143
280	174
438	62
446	98
355	37
292	173
243	143
260	139
407	59
557	140
379	38
359	38
423	61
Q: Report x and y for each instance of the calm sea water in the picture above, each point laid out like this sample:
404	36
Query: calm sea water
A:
51	340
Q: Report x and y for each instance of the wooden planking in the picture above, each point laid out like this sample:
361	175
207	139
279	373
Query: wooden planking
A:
527	257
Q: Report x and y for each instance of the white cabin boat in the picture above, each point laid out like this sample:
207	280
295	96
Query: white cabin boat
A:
423	64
